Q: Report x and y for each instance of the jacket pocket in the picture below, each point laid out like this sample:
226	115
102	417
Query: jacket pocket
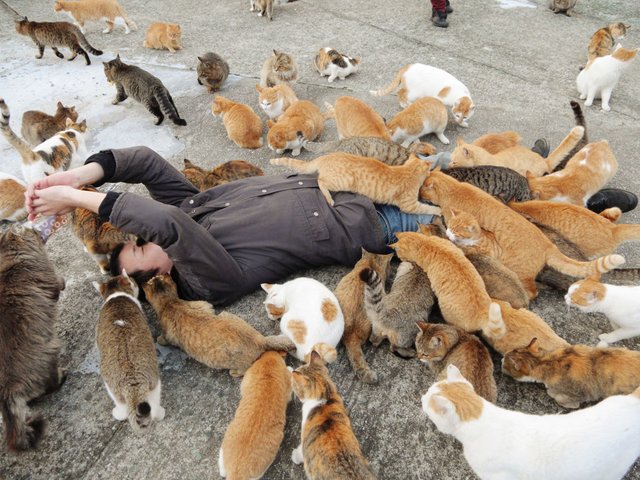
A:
314	212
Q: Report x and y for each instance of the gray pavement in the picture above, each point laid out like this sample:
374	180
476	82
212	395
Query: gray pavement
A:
520	65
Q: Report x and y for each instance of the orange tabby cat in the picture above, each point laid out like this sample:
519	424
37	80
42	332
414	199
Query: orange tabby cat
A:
302	122
275	100
382	183
243	125
526	250
496	142
95	10
464	230
354	118
163	35
425	115
586	172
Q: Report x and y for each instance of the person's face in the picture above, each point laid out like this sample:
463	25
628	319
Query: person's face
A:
145	257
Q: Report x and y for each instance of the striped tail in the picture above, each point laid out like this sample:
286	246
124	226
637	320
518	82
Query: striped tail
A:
21	432
392	86
567	145
373	293
84	43
495	327
280	343
23	148
328	353
612	214
626	232
569	266
299	165
322	147
581	122
167	106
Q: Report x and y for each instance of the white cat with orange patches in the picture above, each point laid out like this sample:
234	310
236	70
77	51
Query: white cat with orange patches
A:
425	115
309	315
330	62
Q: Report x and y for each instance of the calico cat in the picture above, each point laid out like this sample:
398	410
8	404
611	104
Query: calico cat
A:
212	71
440	345
302	122
328	447
243	125
425	115
357	327
253	437
603	41
227	172
63	151
597	442
163	35
576	374
54	35
38	127
95	10
384	150
600	78
501	182
354	118
580	121
275	100
128	362
142	86
393	316
220	341
418	80
393	185
12	206
278	68
562	6
309	314
29	345
329	61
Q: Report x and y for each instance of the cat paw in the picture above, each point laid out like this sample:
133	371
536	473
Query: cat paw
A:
115	102
588	103
605	340
582	96
236	373
38	57
606	108
296	456
120	413
106	30
295	152
602	344
370	377
160	415
162	341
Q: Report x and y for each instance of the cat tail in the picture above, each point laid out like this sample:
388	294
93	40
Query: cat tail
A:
322	147
167	106
139	409
328	353
280	343
392	86
330	113
560	262
298	165
626	232
566	146
84	43
622	275
495	327
21	432
23	148
130	23
581	122
373	293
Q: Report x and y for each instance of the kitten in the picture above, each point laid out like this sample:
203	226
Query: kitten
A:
562	6
393	185
441	345
243	125
580	122
425	115
329	61
501	182
309	314
301	123
142	86
227	172
278	68
598	442
54	35
95	10
384	150
163	35
585	173
220	341
393	316
603	41
253	437
354	118
212	71
38	127
29	345
63	151
418	80
600	78
12	207
275	100
328	447
496	142
577	373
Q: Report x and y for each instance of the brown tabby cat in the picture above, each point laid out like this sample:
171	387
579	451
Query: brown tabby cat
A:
302	122
279	68
354	118
500	182
439	345
163	35
95	10
577	373
220	341
394	185
384	150
212	71
227	172
328	447
243	125
38	126
603	41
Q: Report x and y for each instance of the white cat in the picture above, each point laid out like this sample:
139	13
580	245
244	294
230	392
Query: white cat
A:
598	79
418	80
599	442
330	62
309	314
621	305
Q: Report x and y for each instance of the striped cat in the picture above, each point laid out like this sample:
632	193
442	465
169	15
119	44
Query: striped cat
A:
500	182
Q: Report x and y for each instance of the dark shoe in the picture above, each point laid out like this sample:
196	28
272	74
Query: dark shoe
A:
612	197
541	147
434	14
448	8
440	20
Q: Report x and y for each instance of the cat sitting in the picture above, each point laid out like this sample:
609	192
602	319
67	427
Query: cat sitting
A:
163	36
562	6
603	41
274	101
38	127
212	71
425	115
95	10
227	172
278	68
302	122
12	207
243	125
330	62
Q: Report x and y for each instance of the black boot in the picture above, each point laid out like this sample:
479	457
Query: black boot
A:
440	20
612	197
541	147
448	8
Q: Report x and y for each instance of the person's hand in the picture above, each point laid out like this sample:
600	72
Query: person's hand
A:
53	200
68	178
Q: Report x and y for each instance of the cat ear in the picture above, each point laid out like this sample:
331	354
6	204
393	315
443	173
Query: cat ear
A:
424	229
200	59
258	87
299	379
315	358
118	57
454	375
97	286
459	141
60	105
533	345
422	326
466	152
275	52
266	286
124	273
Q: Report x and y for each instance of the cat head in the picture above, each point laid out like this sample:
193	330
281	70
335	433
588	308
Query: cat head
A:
275	303
120	284
18	238
282	62
519	363
268	97
78	127
160	286
463	110
66	112
429	188
22	26
422	148
618	30
624	54
281	136
379	263
111	67
586	294
463	228
312	381
174	31
464	155
408	245
435	340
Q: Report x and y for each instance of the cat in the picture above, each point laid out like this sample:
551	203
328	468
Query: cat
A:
575	374
562	6
417	80
274	101
163	35
212	71
309	314
465	232
265	7
329	61
580	122
227	172
243	125
496	142
142	86
501	182
29	345
57	34
128	362
425	115
354	118
12	206
302	122
393	185
600	78
603	41
328	446
219	341
585	173
63	151
253	437
618	303
38	127
393	316
278	68
440	345
95	10
597	442
526	250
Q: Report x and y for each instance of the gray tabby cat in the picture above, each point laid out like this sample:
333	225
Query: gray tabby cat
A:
212	70
142	86
581	122
562	6
501	182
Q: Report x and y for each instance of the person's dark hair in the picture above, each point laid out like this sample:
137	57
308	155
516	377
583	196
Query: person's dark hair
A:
139	276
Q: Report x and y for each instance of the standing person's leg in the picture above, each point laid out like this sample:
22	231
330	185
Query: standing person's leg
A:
439	13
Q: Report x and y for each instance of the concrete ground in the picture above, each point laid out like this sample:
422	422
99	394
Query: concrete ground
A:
520	65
